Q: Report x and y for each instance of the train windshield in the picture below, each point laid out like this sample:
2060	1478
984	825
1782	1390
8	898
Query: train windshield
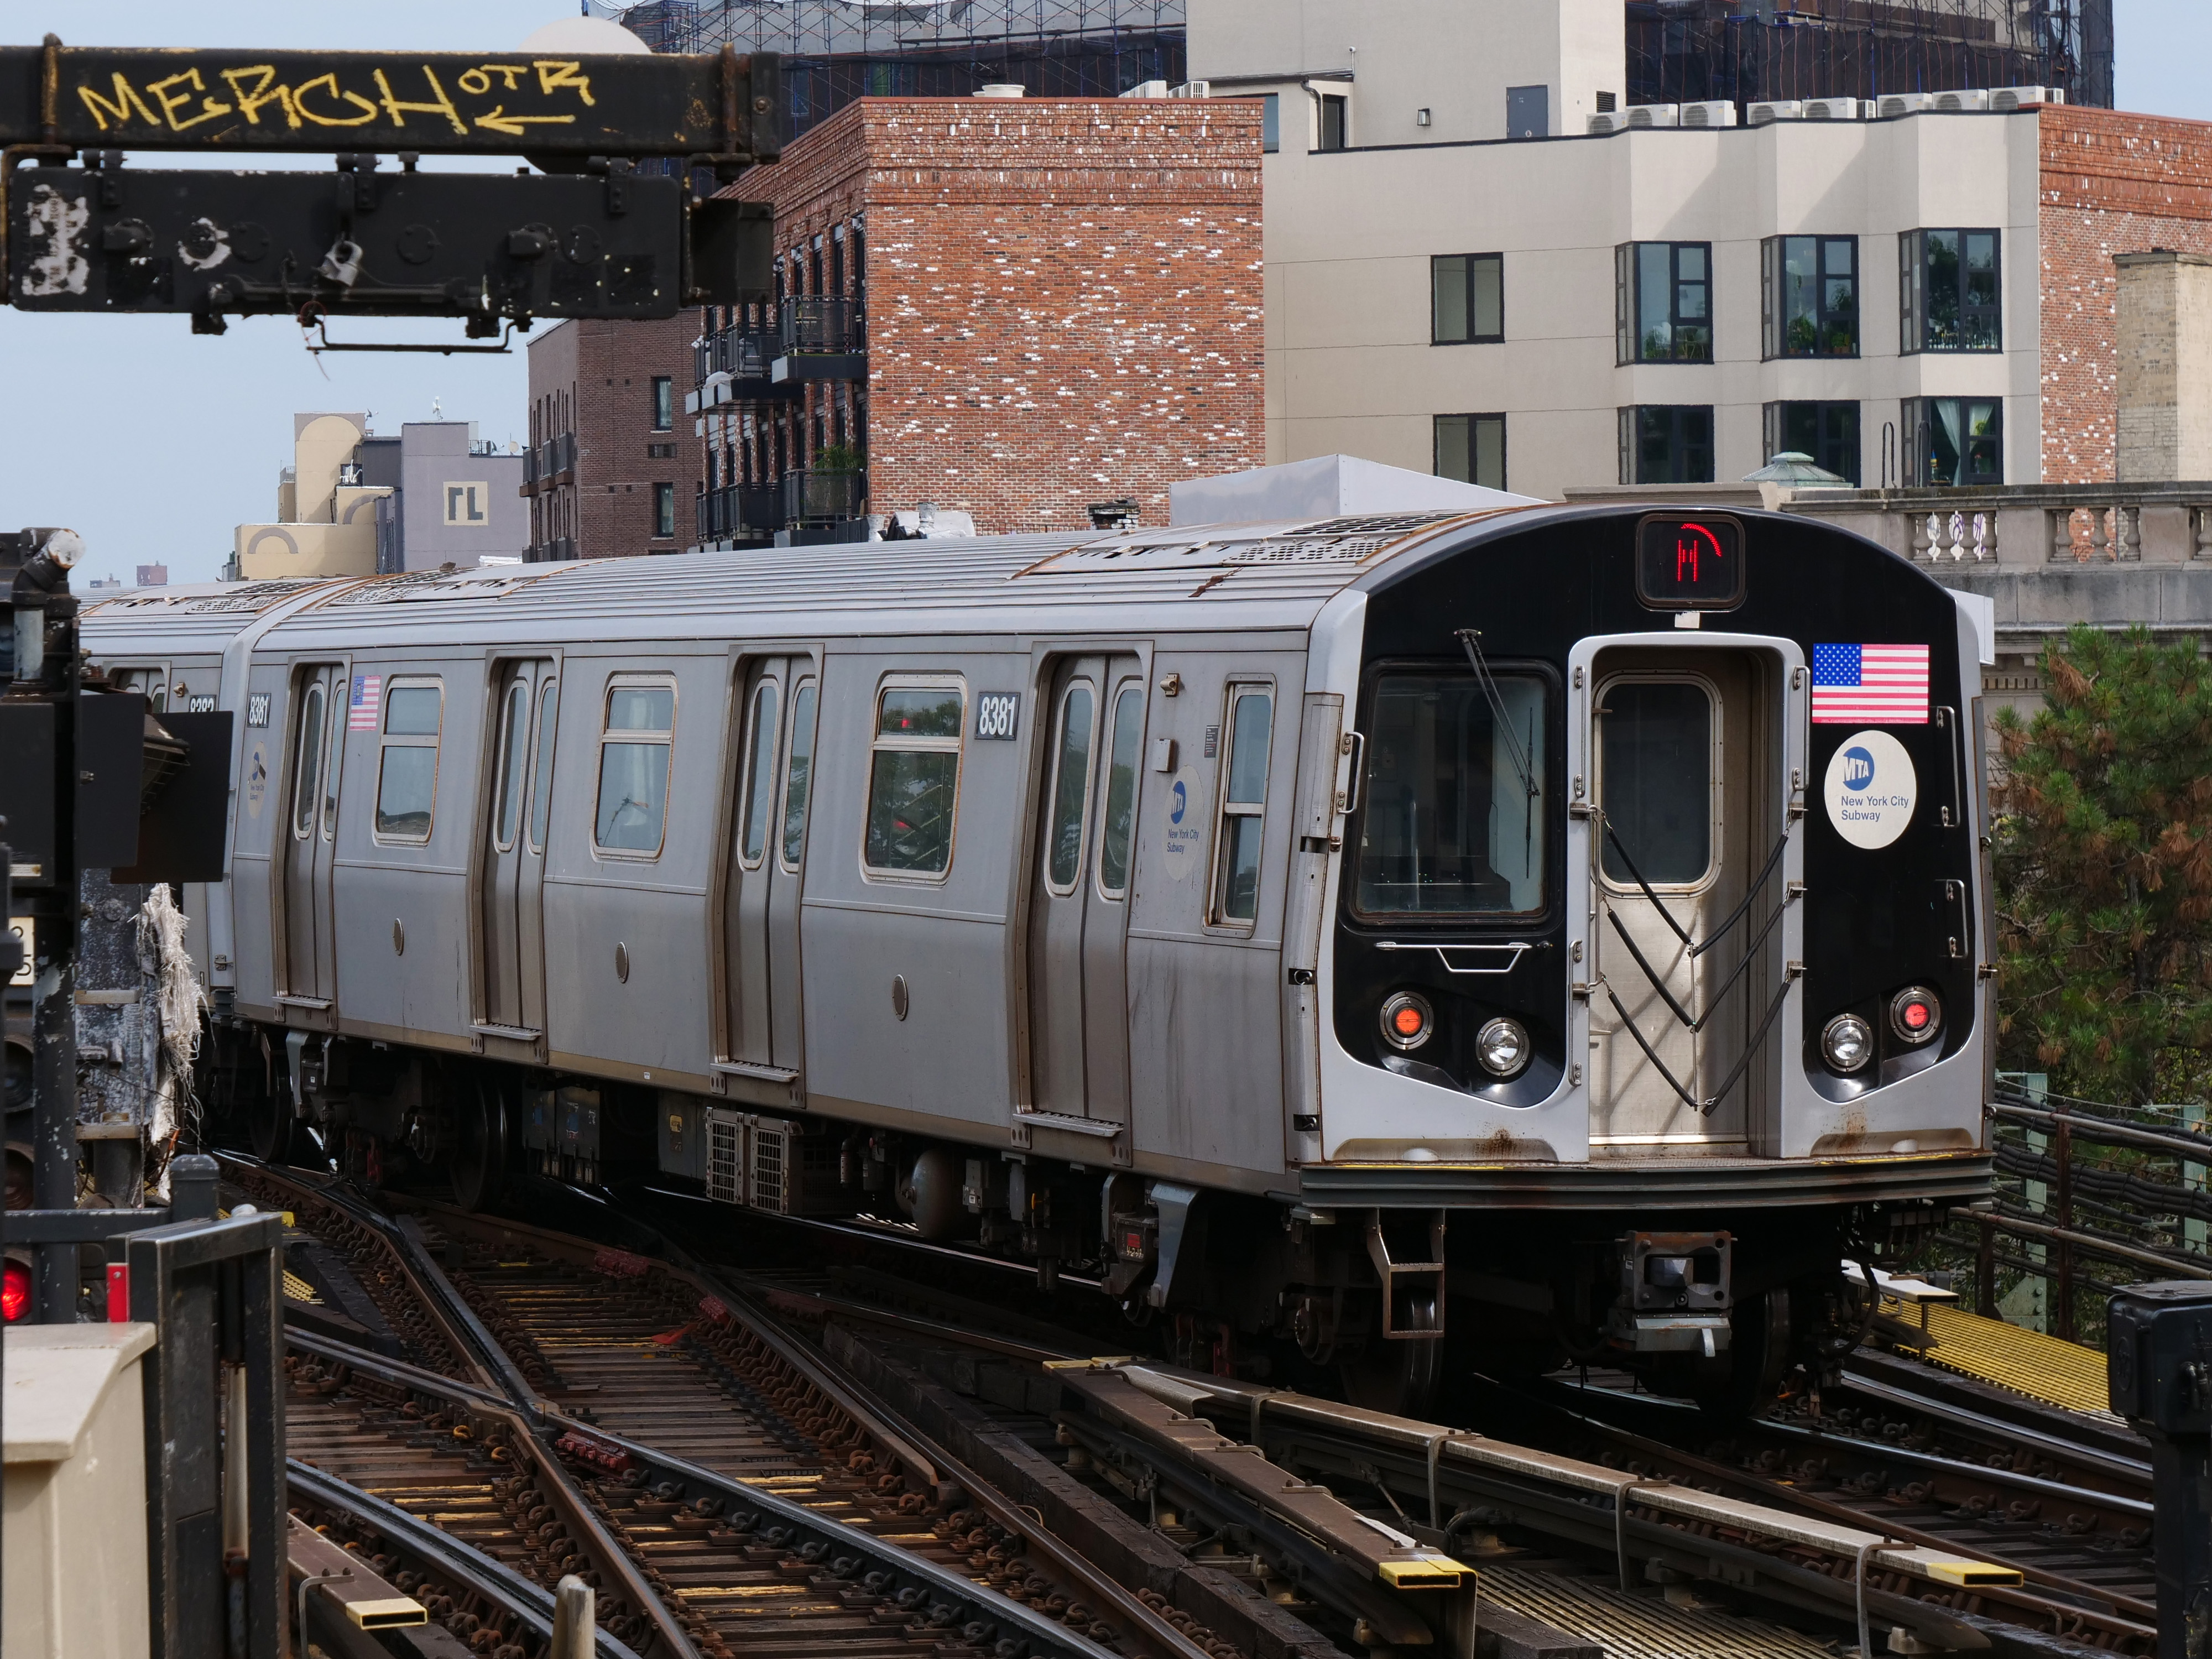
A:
1453	819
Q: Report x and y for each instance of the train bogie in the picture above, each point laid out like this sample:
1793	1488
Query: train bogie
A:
1543	933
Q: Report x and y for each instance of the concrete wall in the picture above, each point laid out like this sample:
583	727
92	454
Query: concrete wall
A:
488	514
1349	236
1454	58
2164	366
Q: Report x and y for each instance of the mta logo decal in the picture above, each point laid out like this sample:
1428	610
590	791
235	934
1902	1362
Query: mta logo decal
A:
1858	769
1183	798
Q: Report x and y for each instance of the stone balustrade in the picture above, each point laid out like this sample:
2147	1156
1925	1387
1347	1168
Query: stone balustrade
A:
2022	525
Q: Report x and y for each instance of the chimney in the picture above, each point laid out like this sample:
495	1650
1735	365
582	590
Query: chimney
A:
2164	363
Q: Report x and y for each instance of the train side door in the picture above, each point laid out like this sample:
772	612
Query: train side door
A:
1677	770
513	925
1080	890
766	852
318	727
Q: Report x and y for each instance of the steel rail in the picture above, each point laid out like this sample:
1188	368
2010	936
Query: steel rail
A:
1834	1529
2134	1471
439	1552
936	1467
617	1569
657	1470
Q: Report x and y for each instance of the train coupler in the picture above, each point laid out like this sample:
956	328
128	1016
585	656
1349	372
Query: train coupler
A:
1674	1293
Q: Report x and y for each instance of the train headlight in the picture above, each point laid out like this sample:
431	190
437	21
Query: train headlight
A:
1847	1043
1408	1019
1502	1046
1915	1014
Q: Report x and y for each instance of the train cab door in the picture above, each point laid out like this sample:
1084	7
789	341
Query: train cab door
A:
319	719
761	1029
1078	1001
1687	805
513	888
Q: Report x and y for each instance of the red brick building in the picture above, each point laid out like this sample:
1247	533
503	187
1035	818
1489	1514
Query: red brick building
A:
2109	183
1010	308
612	456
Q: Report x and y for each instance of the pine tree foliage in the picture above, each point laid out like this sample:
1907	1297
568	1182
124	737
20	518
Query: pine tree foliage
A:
2103	842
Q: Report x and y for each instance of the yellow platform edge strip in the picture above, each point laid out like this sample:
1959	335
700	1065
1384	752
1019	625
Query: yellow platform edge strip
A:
2046	1368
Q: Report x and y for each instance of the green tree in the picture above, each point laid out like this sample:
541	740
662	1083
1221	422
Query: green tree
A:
2104	868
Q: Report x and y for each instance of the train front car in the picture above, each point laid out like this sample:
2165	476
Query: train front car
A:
1649	984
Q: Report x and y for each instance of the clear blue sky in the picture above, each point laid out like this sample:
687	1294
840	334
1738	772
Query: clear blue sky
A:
154	442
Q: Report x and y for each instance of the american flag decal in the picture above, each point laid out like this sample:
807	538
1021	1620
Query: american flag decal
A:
368	701
1870	684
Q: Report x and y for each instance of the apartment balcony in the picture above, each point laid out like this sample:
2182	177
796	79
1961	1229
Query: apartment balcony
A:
734	366
819	339
811	497
739	512
550	552
553	462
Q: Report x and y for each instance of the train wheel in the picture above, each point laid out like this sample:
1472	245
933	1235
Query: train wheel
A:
1748	1383
480	1140
270	1128
1400	1376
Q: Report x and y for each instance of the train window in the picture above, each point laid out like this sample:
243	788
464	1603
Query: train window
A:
760	771
308	764
797	774
1655	781
1115	822
1453	819
914	780
514	756
541	785
407	770
1071	786
634	746
1244	804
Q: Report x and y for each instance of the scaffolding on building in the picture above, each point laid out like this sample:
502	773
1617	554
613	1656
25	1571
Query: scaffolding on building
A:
1686	51
837	51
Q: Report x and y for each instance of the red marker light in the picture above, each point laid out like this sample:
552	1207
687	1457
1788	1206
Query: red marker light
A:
15	1293
1915	1013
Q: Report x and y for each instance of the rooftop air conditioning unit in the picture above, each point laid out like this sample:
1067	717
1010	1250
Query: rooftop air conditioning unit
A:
1834	109
1654	115
2011	98
1780	109
1192	89
1714	112
1905	103
1967	98
1147	89
1016	89
1609	120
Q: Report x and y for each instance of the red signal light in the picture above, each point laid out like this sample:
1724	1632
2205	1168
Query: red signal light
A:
1915	1014
15	1293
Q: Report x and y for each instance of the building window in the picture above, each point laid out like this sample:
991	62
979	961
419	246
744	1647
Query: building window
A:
1828	432
1466	299
663	403
1663	302
1472	449
1243	804
1667	443
1951	295
914	780
1271	123
1334	120
664	511
1809	292
468	503
667	453
407	770
636	741
1954	441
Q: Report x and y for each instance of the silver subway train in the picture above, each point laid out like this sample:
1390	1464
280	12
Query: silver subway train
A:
1384	945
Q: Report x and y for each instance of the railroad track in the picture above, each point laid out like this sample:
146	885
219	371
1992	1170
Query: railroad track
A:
616	1416
2060	1501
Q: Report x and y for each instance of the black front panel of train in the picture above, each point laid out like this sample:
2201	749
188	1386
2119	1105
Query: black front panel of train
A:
1458	837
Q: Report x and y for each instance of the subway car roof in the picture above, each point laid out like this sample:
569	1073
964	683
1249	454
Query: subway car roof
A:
1241	576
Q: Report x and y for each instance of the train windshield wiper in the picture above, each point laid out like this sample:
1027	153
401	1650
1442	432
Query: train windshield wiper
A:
1471	640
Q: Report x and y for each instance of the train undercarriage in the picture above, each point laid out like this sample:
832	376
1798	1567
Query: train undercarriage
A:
1389	1306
